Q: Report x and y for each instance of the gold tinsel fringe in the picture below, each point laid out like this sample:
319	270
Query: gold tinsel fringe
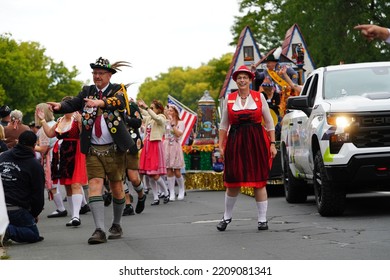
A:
209	180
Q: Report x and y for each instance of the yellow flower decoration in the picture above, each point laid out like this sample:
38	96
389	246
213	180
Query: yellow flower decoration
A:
200	148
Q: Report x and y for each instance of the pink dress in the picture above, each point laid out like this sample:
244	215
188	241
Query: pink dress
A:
174	157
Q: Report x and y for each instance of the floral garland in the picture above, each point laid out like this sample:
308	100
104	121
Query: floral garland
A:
199	148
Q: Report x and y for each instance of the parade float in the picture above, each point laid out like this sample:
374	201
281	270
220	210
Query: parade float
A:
203	163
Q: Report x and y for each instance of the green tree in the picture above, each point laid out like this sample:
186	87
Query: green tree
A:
326	25
187	84
28	76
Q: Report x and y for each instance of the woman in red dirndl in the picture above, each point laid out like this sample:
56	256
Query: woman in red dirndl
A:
247	147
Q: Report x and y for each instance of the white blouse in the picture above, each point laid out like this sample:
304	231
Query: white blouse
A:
249	104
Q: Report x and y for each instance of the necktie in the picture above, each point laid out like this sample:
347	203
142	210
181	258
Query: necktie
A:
98	127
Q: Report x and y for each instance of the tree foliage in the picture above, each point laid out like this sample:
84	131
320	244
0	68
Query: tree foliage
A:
187	84
327	27
29	77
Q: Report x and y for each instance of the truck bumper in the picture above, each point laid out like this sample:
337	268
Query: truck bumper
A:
363	171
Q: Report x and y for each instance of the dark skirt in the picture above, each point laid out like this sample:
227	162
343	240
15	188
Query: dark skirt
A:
247	156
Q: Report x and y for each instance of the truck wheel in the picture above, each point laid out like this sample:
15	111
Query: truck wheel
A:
330	197
295	190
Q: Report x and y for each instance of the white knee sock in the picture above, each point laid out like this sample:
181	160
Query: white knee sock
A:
162	185
262	207
57	197
229	205
171	187
77	200
84	201
146	180
154	187
180	183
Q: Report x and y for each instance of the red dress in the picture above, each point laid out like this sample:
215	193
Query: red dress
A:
247	153
152	158
68	163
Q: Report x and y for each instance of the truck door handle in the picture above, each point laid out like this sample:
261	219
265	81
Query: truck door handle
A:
299	122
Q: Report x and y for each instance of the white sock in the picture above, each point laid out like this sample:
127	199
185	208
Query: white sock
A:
171	187
180	183
146	180
77	200
57	197
162	185
262	207
154	187
229	205
84	201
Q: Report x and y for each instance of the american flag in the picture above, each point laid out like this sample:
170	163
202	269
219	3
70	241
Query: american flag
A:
187	115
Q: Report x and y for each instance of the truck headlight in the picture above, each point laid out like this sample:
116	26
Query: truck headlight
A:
342	133
340	121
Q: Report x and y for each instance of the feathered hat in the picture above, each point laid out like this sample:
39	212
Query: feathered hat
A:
103	63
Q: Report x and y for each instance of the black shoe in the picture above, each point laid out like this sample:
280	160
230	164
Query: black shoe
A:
128	211
146	191
41	238
84	209
107	197
155	202
116	231
223	224
58	213
140	205
262	226
74	222
166	199
97	237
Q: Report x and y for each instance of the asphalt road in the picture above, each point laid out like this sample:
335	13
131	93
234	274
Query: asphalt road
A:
186	230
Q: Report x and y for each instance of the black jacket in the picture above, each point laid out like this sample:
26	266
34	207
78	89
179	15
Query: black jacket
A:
23	179
134	122
113	114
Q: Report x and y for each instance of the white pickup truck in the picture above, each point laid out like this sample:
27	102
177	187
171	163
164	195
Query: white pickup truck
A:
335	135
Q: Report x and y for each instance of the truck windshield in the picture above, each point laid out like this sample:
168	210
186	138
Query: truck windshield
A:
373	83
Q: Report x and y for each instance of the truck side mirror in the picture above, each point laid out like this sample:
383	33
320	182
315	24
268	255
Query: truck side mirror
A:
299	103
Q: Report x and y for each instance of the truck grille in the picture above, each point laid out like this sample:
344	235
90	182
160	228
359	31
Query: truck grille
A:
371	130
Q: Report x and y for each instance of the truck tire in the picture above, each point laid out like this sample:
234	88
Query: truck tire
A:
330	197
295	190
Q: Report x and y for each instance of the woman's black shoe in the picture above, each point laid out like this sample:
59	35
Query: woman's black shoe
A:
155	202
166	199
223	224
262	226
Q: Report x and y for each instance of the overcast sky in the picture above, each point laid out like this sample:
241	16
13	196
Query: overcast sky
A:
153	35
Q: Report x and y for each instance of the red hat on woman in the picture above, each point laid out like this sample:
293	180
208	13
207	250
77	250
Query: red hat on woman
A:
243	69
